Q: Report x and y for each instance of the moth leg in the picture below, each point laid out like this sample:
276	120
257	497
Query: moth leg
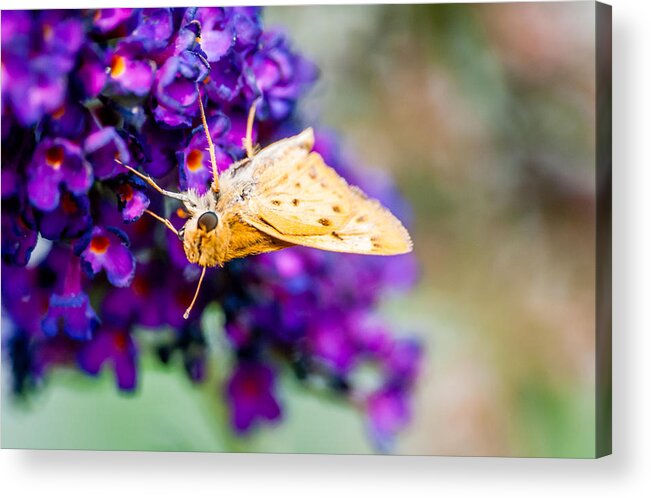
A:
248	139
211	145
173	195
196	293
164	221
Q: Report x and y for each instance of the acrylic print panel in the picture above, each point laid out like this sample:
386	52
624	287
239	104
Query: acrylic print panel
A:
484	129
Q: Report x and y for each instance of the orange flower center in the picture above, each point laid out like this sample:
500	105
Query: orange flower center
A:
68	205
54	156
195	159
140	286
99	244
250	387
126	192
48	31
120	342
118	66
58	114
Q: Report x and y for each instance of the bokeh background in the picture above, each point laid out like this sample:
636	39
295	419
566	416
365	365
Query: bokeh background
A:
485	116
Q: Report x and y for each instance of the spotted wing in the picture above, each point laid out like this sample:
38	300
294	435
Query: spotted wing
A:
305	197
372	229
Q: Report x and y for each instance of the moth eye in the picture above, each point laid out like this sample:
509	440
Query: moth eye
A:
181	233
208	221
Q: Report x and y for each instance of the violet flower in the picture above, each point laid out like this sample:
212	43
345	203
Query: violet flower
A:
115	347
250	392
196	169
57	162
70	309
102	148
108	249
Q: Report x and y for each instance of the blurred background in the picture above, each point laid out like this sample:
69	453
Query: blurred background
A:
485	117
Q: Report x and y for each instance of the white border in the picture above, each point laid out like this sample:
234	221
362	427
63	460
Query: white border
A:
626	473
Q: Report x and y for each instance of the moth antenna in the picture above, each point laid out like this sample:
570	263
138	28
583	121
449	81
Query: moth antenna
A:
164	221
196	293
248	140
173	195
211	146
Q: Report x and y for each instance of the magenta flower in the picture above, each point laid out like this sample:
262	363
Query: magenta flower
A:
18	239
102	148
70	309
38	52
107	20
57	162
69	220
152	33
116	348
68	121
388	413
129	73
196	169
108	250
91	74
281	75
250	392
132	198
330	343
217	33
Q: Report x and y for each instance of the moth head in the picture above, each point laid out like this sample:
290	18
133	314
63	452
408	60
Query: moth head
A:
205	238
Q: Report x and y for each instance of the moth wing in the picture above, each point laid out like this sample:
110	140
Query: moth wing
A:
305	197
372	229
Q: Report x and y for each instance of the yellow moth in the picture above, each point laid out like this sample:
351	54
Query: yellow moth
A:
280	196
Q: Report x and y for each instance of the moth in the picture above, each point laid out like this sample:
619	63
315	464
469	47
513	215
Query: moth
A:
280	196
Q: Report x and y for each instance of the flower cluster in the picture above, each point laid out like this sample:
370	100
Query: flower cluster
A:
84	270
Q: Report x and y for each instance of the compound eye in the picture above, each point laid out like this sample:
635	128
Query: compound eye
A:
208	221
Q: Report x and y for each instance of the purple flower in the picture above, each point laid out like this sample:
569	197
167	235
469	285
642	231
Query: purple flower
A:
152	34
403	361
68	121
37	54
250	393
115	347
196	168
18	239
92	74
176	91
156	297
128	73
102	148
70	308
26	291
158	148
329	342
225	82
217	34
69	220
281	76
388	412
108	250
132	199
56	162
247	26
106	20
